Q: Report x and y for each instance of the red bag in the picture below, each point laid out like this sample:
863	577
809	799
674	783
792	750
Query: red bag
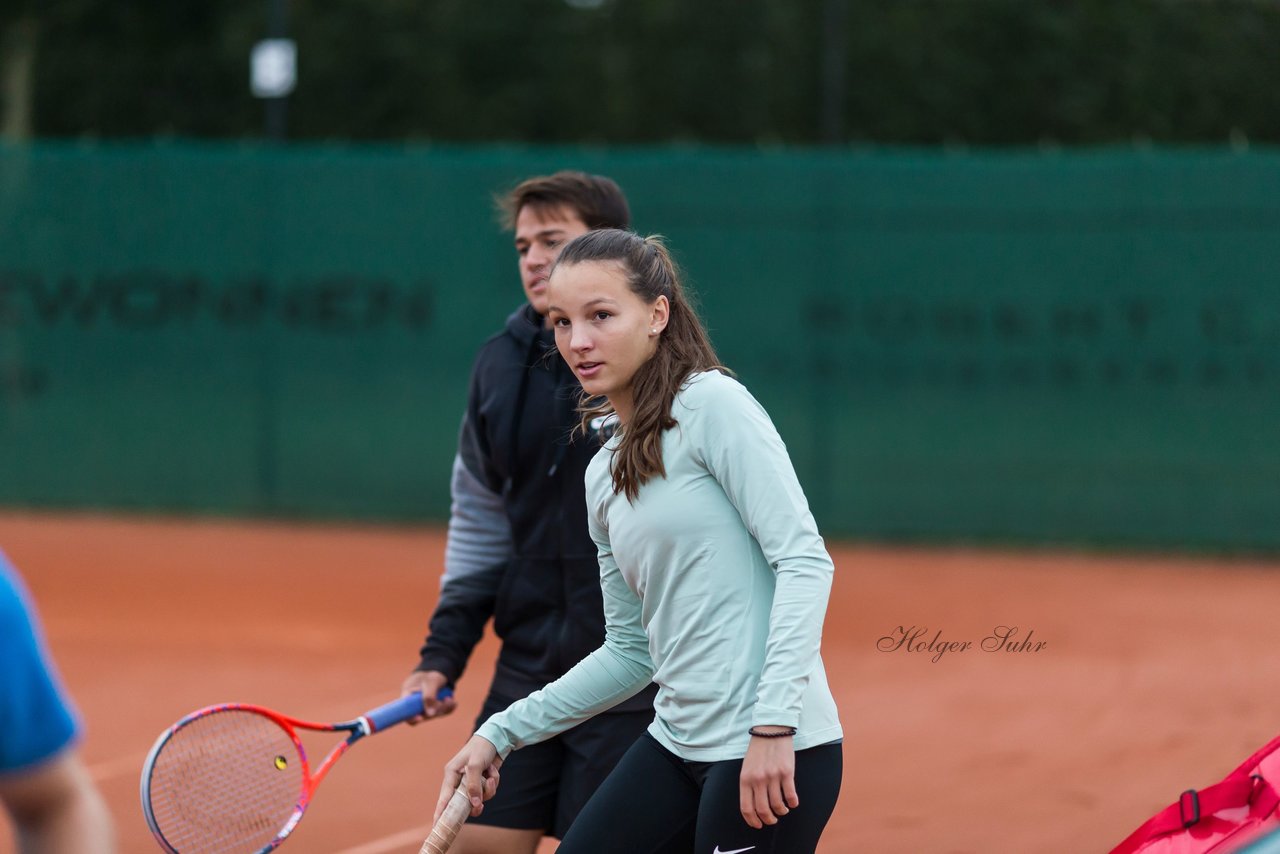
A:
1221	818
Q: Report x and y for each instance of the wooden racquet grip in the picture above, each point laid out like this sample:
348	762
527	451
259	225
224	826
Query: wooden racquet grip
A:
441	837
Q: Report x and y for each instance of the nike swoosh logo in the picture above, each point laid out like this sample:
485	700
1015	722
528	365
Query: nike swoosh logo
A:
734	851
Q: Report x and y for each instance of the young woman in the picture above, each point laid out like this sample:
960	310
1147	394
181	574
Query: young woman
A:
715	583
518	550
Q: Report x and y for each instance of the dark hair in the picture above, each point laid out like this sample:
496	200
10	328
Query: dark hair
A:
597	200
683	348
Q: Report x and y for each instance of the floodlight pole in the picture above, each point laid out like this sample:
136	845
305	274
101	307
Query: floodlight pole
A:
835	56
276	115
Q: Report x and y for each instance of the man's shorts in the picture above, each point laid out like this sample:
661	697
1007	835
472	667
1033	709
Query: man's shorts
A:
544	786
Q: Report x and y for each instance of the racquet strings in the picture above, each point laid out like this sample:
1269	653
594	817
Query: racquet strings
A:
225	783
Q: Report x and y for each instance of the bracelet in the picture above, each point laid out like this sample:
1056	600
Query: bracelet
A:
788	731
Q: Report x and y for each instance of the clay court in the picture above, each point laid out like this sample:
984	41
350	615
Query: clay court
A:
1152	674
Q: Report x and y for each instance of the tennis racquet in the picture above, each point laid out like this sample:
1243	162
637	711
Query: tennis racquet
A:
440	840
234	778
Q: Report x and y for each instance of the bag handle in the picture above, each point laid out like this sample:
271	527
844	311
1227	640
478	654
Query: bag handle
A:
1237	790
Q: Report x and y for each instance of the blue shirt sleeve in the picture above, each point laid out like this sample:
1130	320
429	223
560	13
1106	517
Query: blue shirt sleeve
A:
36	720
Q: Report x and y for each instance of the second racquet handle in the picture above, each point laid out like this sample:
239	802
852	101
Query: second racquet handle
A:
441	837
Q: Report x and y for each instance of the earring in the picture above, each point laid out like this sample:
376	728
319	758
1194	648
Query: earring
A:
653	332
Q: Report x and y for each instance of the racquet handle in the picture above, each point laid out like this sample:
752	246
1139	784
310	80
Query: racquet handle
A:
441	837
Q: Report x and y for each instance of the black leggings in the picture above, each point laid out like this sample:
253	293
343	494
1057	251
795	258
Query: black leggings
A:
654	802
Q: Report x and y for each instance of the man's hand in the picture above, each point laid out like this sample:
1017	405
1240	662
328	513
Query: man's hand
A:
428	683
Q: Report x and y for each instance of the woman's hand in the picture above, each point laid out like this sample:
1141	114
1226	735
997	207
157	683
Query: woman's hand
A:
477	763
767	785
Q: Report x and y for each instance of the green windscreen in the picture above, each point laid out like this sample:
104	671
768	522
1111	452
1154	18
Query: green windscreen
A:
992	347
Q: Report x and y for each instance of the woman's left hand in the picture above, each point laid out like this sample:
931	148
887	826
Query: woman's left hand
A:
767	786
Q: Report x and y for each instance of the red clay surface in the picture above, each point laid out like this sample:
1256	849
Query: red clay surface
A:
1157	675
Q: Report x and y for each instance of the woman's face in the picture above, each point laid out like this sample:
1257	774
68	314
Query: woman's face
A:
603	330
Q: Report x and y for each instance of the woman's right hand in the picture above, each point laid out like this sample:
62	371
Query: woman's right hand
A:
477	764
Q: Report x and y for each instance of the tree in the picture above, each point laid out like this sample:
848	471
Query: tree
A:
984	72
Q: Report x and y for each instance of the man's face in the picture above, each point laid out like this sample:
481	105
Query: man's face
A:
540	235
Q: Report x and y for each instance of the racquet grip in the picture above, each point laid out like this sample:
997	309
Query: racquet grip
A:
441	837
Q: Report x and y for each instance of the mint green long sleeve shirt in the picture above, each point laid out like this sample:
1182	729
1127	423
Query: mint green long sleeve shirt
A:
715	585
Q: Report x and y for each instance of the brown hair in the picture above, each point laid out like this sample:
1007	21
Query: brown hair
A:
597	200
683	349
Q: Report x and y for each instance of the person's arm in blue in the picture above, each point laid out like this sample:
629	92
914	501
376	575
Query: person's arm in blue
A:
44	787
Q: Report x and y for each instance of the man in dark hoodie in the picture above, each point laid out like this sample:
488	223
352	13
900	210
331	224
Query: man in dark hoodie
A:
518	549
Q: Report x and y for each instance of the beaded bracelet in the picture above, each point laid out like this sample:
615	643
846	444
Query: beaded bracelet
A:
788	731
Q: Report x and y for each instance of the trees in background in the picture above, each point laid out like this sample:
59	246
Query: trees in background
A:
970	72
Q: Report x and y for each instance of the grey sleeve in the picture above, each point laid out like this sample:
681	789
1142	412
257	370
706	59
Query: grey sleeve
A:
476	552
479	532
